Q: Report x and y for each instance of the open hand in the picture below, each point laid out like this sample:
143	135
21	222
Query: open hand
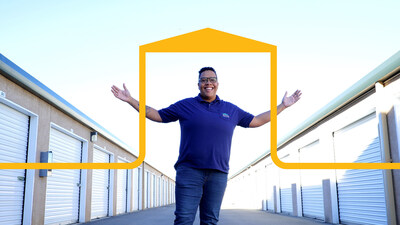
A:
289	101
123	95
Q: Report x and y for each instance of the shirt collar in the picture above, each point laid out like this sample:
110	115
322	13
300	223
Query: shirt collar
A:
200	99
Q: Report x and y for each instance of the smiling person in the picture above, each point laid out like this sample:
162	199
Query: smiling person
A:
207	125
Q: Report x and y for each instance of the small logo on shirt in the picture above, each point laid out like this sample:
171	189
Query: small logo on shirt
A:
225	115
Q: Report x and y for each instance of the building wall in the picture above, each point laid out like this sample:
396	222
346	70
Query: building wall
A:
49	114
380	104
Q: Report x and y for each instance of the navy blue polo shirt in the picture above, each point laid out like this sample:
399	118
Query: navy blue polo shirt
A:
206	131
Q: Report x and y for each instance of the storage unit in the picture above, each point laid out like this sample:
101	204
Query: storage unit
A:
122	189
14	131
272	180
147	189
64	185
154	191
164	192
159	186
287	178
312	198
361	193
100	185
286	200
170	193
140	191
359	126
167	191
136	188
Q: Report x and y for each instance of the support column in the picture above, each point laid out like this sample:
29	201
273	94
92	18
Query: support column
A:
382	110
326	190
294	200
393	118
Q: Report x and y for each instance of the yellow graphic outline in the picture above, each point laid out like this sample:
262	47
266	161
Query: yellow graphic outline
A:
205	40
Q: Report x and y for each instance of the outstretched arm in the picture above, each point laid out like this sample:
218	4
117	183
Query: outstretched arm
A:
265	117
125	96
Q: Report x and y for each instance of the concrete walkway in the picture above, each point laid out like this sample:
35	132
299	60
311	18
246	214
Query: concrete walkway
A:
165	216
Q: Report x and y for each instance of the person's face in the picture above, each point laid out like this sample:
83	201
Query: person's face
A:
208	87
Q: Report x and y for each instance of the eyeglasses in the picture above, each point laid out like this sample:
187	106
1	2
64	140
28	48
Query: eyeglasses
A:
205	79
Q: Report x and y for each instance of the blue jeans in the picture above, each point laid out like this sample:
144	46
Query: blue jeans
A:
198	187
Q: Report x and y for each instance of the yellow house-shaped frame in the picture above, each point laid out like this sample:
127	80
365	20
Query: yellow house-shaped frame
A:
211	41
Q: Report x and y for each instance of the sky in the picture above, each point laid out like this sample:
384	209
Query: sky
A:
79	49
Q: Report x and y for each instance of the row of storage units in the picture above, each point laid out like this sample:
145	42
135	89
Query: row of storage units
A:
158	191
364	129
32	123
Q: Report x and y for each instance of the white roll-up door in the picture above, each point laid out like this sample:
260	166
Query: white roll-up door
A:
164	192
287	178
140	187
159	190
272	180
361	193
14	128
135	189
122	190
286	200
153	189
147	189
173	193
312	198
63	186
100	185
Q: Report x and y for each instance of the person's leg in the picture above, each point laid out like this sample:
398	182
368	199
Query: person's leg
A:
213	193
188	192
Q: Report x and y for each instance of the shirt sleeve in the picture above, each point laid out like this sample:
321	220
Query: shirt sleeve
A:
244	118
170	114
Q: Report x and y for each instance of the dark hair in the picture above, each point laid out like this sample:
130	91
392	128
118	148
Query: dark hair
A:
205	69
